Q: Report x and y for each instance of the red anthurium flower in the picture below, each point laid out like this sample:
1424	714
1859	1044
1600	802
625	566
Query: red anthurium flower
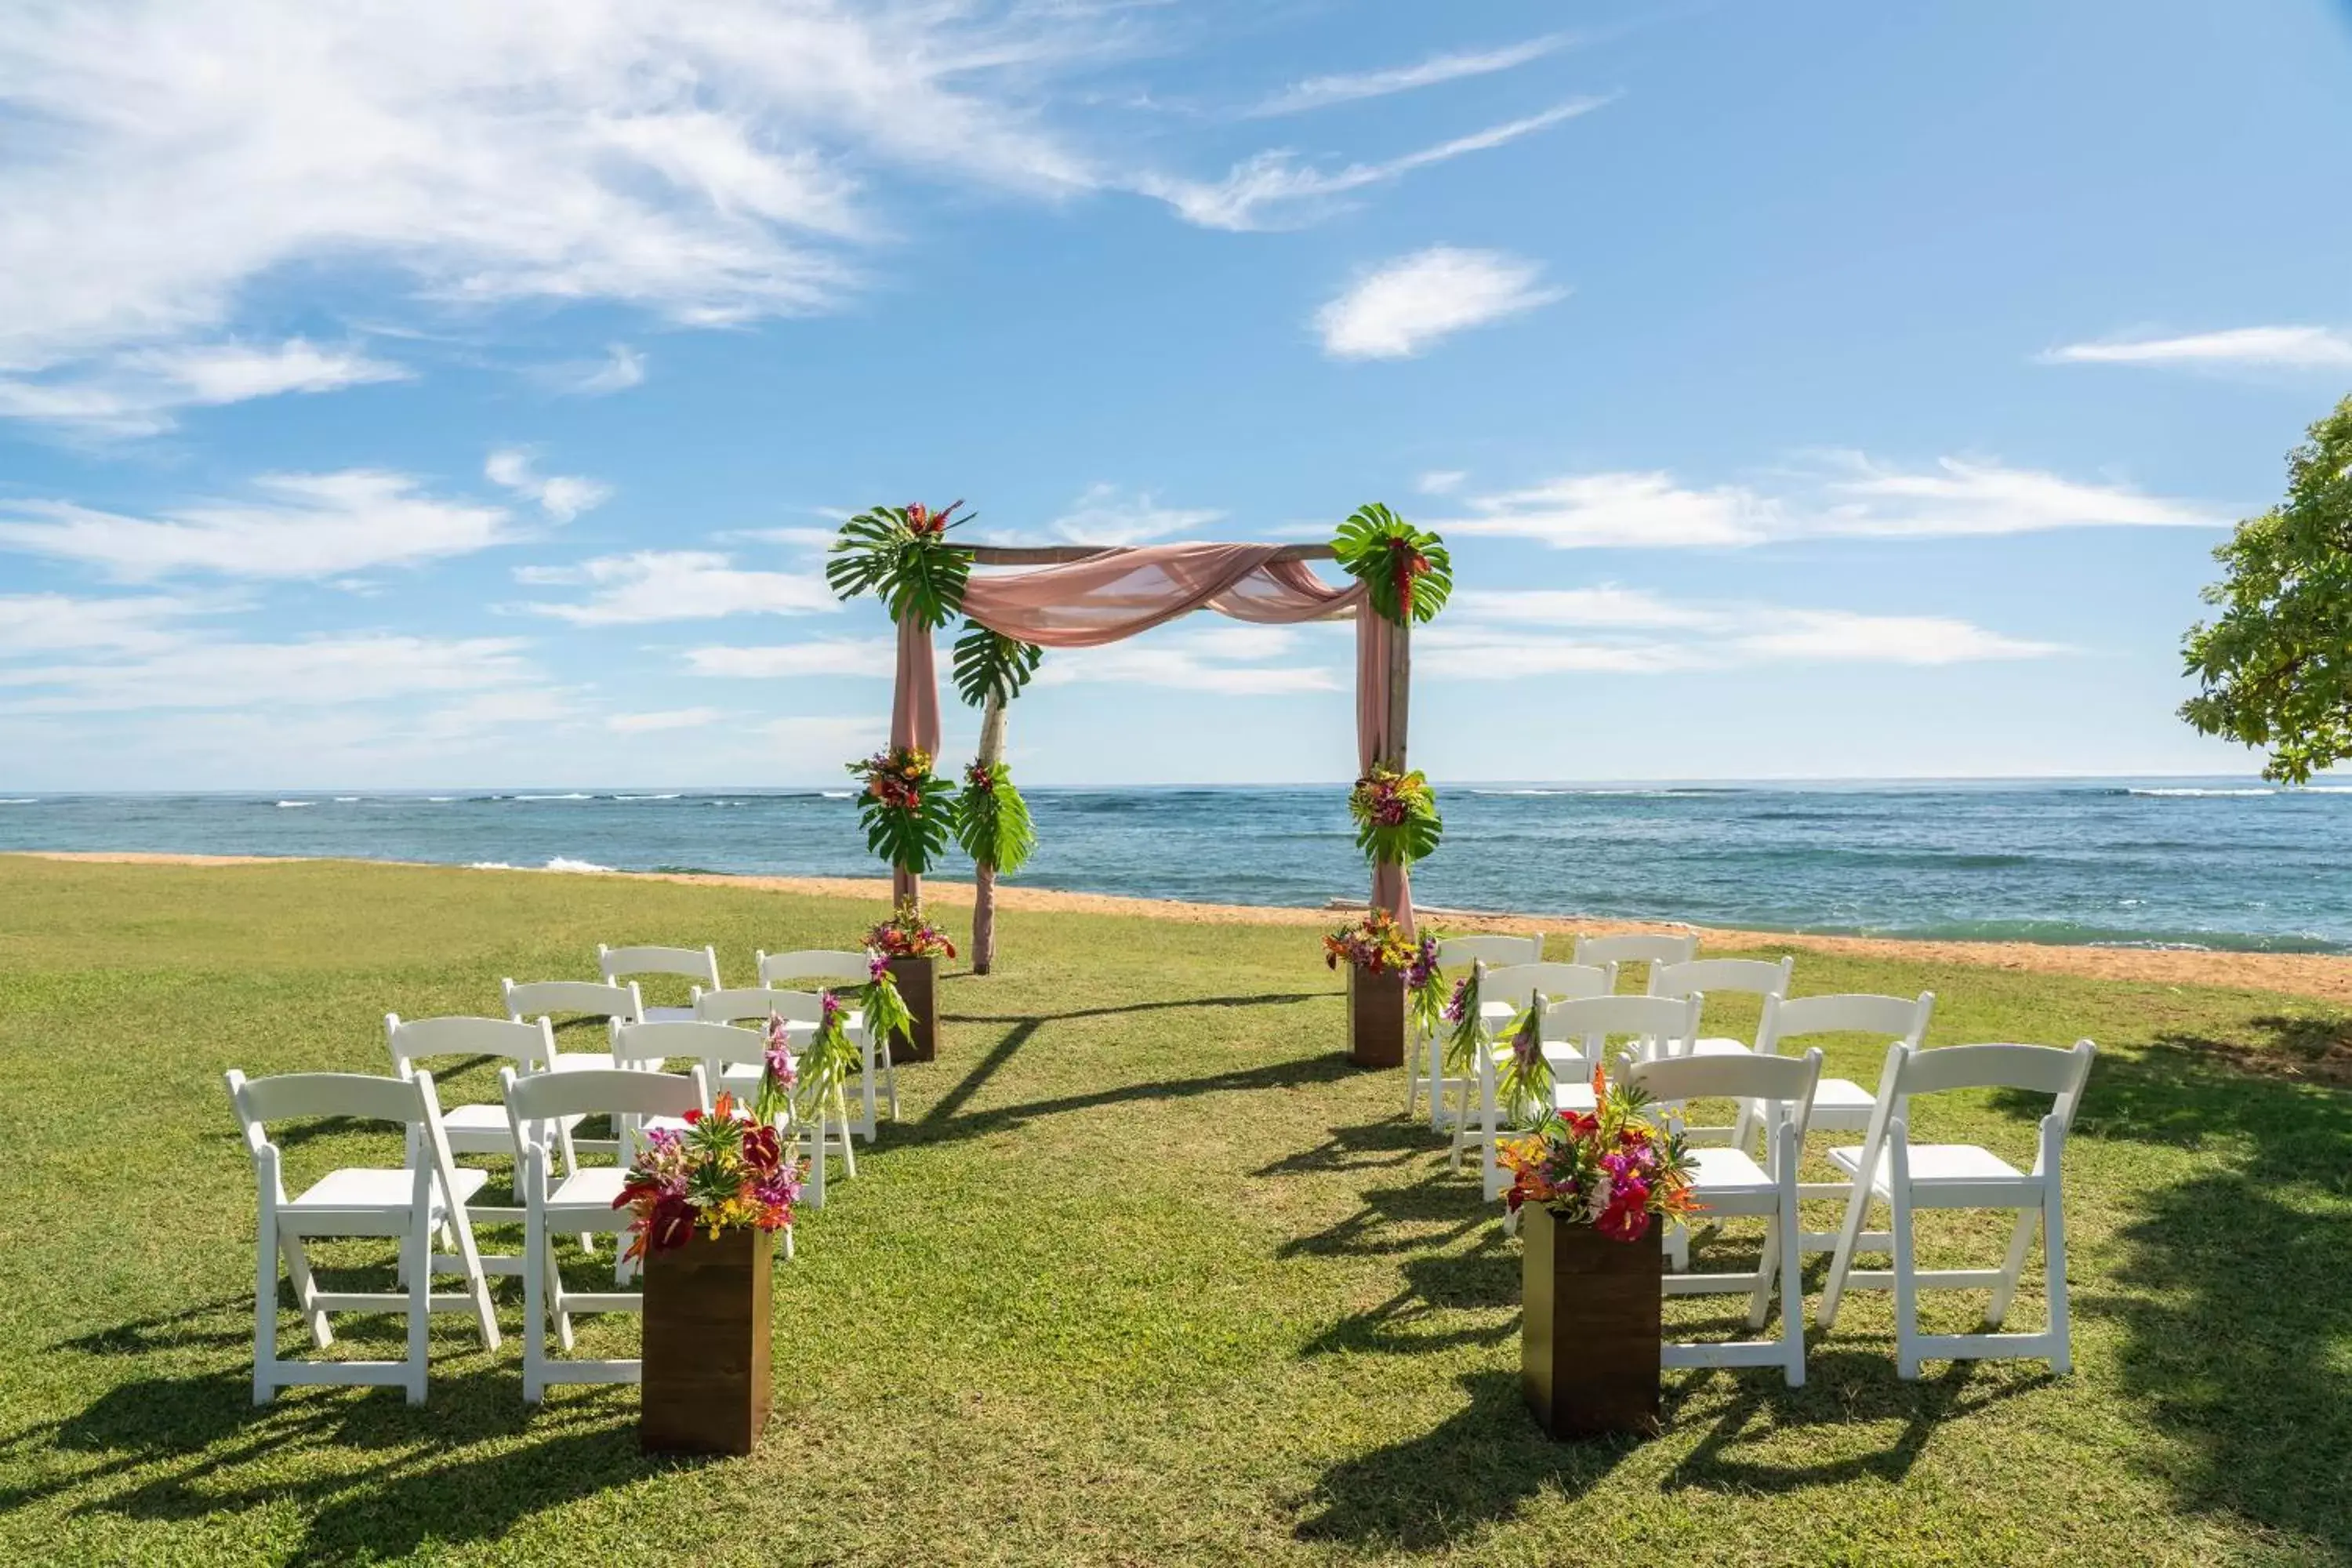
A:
761	1153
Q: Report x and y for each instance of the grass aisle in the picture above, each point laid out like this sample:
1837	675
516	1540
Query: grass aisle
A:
1145	1275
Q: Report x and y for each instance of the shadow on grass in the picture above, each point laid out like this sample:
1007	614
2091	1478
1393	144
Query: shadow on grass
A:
2233	1303
396	1478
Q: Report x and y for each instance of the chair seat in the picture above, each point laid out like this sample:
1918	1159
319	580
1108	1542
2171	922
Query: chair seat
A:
1713	1045
670	1015
580	1061
484	1118
1841	1094
1935	1162
363	1188
1573	1097
591	1186
1728	1173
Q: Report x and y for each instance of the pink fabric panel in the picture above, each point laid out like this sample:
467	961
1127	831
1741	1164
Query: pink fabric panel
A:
915	701
1107	597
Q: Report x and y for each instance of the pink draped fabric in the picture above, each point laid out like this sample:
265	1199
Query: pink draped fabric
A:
1108	597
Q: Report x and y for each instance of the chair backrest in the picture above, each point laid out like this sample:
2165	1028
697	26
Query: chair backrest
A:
699	964
535	1104
2036	1069
827	966
540	998
1850	1012
1454	951
1591	1021
737	1003
1755	977
1638	947
1786	1081
408	1101
713	1045
531	1044
1519	984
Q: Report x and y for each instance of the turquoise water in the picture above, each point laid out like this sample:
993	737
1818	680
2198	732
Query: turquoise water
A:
2211	863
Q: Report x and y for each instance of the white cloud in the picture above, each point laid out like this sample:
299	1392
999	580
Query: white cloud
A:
2293	348
332	671
710	160
1102	515
1273	190
824	656
655	724
622	368
561	496
1321	91
58	623
1212	658
1623	510
298	526
649	585
1441	481
1398	309
135	392
1843	636
818	748
1845	495
1499	635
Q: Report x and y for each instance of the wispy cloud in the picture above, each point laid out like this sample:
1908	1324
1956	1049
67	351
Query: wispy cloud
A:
652	585
1839	494
332	671
139	392
2288	348
1441	481
1322	91
1274	190
1226	660
622	368
1104	515
48	623
821	655
1503	634
1402	307
295	526
661	721
561	496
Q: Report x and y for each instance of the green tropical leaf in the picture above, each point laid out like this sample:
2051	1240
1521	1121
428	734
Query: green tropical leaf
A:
992	821
1374	543
989	664
902	555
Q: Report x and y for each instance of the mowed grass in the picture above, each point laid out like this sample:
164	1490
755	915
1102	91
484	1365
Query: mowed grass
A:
1146	1274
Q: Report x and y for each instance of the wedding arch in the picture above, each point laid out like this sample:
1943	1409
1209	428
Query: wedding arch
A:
1026	600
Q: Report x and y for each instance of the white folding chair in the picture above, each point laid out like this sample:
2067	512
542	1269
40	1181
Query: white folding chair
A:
699	964
1714	977
1558	988
1504	994
1576	1035
1905	1177
545	999
1729	1183
582	1201
1839	1105
425	1197
1424	1064
733	1059
752	1005
842	971
481	1128
1650	948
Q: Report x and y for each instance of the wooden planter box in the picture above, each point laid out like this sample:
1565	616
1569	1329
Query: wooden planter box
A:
1375	1019
1589	1347
706	1346
919	983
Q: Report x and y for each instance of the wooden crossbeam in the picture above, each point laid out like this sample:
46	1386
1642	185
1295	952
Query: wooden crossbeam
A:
1062	554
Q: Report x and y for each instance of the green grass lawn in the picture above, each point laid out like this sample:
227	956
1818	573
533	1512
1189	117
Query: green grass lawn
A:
1146	1274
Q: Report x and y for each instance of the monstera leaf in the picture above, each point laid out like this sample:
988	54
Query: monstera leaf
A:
1406	568
987	663
902	556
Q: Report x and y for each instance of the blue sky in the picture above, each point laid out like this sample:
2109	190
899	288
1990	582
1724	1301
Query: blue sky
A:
439	394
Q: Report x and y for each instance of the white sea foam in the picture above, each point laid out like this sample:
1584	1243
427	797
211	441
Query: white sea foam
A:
488	866
561	863
671	797
2201	794
440	799
290	804
836	793
21	800
347	800
554	797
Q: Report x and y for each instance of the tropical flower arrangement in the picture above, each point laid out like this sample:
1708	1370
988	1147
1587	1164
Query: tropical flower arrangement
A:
886	1010
907	934
908	810
1425	989
830	1058
1612	1168
724	1171
1406	569
1376	944
1396	817
902	554
1465	1030
778	1075
1523	1078
991	820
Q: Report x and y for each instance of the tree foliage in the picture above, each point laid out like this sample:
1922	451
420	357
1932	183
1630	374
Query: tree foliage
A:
1406	568
2274	670
902	556
989	664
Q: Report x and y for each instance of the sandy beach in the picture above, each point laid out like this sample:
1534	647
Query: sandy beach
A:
2323	976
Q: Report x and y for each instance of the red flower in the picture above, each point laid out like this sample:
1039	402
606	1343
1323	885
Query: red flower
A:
670	1225
761	1153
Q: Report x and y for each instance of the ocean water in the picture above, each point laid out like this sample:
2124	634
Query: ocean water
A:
2223	863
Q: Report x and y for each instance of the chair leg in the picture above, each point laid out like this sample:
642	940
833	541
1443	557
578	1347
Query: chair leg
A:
534	1306
890	1080
305	1290
1906	1264
419	1242
2053	1249
1791	1233
2021	1238
264	1312
849	1148
1768	1268
866	1091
